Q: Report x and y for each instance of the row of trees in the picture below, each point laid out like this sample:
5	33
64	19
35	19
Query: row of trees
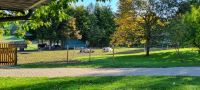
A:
186	26
151	22
94	24
137	22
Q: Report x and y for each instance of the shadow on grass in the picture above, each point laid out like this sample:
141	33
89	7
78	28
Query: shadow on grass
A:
131	51
65	83
136	51
108	83
167	59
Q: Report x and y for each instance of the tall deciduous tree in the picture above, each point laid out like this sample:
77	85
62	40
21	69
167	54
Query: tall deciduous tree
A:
128	32
192	20
152	12
67	30
82	21
106	24
99	25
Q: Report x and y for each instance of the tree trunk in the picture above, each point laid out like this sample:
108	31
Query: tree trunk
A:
177	47
50	44
147	47
148	39
42	41
63	44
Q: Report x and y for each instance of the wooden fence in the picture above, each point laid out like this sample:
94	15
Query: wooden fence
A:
8	54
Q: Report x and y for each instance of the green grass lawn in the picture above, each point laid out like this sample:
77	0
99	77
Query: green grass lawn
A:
32	47
124	58
101	83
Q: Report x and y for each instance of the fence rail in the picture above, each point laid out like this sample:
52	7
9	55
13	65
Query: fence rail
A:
8	54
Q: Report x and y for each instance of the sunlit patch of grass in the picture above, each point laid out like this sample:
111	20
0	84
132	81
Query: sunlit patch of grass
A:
102	83
32	47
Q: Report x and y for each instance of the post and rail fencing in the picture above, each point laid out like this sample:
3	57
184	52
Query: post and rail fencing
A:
8	54
90	52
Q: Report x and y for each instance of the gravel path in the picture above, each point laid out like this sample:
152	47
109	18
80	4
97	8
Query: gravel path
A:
74	72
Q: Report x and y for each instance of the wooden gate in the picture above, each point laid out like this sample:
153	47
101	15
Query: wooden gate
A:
8	54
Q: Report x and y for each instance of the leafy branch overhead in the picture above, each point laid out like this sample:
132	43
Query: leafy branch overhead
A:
19	14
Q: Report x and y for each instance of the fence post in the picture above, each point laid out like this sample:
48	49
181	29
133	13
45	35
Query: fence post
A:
74	52
15	57
90	54
113	47
67	53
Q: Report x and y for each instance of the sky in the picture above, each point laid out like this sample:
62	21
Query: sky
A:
112	3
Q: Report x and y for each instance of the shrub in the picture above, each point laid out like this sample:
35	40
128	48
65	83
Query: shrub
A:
1	33
28	42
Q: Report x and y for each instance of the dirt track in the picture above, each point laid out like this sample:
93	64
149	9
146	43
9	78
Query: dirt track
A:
75	72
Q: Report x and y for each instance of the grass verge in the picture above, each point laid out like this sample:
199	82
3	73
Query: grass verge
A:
102	83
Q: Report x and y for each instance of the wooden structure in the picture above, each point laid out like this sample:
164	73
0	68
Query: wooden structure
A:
21	4
8	54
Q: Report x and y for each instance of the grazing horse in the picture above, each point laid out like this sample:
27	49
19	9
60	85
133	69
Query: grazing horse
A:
86	50
107	49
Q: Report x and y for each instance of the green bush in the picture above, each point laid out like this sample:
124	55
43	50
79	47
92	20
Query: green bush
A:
28	42
1	33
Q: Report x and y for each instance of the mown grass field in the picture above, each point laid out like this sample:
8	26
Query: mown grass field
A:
124	58
101	83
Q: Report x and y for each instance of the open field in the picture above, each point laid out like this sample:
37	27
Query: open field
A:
124	58
102	83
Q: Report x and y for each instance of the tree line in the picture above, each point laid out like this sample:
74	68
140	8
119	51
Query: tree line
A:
94	24
137	22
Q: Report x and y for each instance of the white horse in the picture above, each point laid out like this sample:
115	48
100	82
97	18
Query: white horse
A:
107	49
86	50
